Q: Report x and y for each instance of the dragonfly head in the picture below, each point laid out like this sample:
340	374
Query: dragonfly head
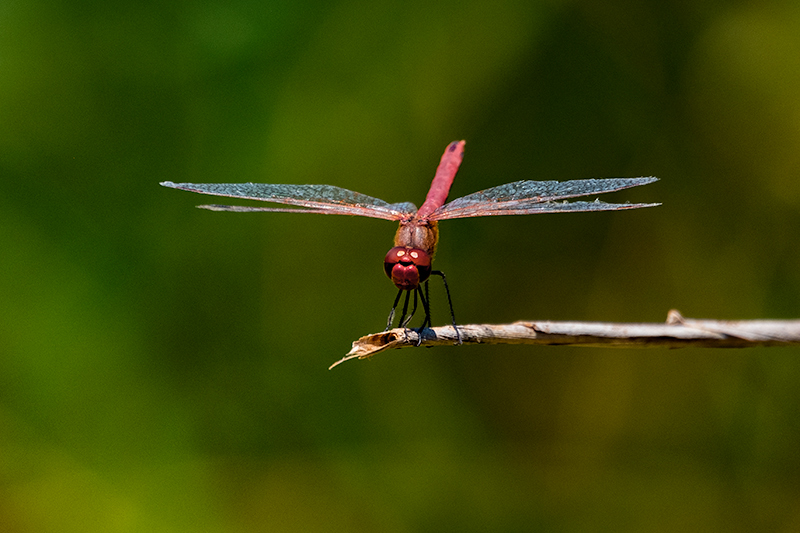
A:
407	267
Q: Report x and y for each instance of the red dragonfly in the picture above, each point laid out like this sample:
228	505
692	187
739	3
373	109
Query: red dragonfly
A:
408	264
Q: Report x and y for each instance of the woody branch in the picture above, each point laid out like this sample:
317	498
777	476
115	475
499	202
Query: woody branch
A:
677	332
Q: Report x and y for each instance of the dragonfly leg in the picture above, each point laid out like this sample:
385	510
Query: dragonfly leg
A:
426	304
405	322
427	307
449	302
391	313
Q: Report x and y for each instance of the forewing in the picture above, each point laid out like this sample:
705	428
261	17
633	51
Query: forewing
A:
530	197
320	199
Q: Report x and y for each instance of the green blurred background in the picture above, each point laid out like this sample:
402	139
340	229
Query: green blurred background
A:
164	368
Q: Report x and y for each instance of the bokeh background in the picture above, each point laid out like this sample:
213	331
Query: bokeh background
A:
164	368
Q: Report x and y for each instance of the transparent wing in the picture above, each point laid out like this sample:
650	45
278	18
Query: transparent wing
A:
530	197
320	199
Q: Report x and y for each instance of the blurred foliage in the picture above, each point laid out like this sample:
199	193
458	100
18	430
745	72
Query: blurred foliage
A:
164	368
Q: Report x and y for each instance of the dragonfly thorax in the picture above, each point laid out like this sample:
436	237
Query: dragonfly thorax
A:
416	233
407	267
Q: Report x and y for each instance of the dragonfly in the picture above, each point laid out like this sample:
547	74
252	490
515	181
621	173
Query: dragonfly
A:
408	263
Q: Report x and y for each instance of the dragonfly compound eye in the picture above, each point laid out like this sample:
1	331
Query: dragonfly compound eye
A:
407	267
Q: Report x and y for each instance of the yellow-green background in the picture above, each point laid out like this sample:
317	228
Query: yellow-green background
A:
164	368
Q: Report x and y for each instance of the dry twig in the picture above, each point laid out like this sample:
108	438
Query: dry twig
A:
677	332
